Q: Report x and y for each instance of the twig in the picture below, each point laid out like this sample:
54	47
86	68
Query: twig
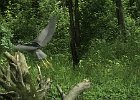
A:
8	74
8	95
60	91
10	57
4	84
19	69
40	76
44	89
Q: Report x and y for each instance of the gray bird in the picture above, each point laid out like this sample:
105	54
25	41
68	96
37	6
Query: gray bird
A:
40	41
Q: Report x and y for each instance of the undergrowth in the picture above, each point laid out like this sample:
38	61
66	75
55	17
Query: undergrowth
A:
113	69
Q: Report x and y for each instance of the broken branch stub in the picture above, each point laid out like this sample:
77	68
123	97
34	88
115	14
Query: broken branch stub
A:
77	89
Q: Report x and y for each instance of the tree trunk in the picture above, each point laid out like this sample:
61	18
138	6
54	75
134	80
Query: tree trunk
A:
120	17
77	26
73	44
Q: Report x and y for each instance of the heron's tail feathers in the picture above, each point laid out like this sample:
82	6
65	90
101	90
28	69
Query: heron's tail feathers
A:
40	54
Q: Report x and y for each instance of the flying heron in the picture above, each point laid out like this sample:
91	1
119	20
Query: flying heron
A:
40	41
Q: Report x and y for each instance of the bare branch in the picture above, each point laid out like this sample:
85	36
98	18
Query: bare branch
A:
23	64
76	90
60	91
8	95
4	84
46	85
10	57
20	73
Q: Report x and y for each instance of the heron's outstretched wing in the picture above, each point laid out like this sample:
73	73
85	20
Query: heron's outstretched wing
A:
24	47
47	33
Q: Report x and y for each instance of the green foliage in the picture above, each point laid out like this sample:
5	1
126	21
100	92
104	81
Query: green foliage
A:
6	35
110	63
98	19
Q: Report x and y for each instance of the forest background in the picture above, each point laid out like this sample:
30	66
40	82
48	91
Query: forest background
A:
97	40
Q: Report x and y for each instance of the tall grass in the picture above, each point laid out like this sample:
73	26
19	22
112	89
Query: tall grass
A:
113	69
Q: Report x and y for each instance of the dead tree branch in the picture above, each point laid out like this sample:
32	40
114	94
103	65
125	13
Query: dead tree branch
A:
17	82
76	90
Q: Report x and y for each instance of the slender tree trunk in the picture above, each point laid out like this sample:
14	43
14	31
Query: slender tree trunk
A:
73	34
120	16
3	6
77	26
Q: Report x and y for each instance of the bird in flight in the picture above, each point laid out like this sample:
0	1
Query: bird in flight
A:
40	41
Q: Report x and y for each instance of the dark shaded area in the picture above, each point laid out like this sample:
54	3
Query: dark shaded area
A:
77	23
134	8
3	4
94	25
